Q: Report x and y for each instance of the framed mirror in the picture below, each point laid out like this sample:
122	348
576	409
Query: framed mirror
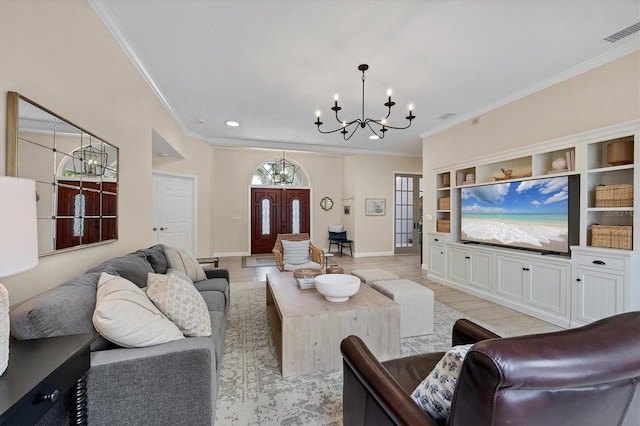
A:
326	203
76	176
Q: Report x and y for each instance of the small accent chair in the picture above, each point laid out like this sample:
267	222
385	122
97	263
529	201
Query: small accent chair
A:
583	376
338	236
314	259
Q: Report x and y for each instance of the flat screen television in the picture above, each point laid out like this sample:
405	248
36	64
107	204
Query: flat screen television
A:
535	214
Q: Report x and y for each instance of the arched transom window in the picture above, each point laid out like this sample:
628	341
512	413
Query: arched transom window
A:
280	171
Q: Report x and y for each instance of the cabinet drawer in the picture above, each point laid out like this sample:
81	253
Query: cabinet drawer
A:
603	262
436	238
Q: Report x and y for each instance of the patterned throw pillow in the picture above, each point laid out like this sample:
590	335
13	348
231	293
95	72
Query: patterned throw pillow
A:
435	393
336	228
125	316
185	262
295	252
179	300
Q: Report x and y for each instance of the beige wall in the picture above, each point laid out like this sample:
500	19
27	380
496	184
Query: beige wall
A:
60	55
373	177
606	95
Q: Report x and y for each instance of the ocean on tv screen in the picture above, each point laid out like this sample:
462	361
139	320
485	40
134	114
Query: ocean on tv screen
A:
531	214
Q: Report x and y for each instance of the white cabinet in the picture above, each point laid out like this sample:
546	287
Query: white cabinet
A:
528	282
535	284
470	268
437	256
605	282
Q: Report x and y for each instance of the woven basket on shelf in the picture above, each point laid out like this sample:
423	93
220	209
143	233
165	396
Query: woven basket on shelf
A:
619	237
614	195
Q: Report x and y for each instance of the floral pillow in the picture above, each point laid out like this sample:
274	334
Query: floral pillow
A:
435	393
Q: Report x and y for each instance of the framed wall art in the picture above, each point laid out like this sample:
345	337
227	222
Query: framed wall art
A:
375	207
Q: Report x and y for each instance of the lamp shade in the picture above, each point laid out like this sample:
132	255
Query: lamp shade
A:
18	226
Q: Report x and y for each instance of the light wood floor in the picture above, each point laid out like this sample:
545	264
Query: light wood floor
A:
408	266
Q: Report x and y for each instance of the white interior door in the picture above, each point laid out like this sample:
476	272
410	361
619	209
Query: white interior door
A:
174	220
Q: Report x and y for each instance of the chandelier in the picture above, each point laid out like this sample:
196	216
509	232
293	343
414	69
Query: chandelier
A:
90	160
382	124
283	171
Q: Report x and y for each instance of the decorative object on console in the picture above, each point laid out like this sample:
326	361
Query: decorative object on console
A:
337	287
364	122
18	243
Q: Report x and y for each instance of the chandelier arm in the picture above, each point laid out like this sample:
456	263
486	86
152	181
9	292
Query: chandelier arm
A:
344	135
397	128
349	124
372	129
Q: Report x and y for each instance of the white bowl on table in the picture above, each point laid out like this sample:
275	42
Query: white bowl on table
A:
337	287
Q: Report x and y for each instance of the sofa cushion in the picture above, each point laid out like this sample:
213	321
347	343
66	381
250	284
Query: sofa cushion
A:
179	300
295	252
215	300
185	262
435	393
157	259
181	275
125	316
62	310
133	266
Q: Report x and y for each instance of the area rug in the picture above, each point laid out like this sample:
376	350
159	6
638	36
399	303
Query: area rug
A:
258	261
251	389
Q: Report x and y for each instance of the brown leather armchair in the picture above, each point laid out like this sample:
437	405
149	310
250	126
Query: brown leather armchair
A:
583	376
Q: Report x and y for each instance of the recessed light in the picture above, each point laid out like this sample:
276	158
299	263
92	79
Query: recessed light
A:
232	123
374	137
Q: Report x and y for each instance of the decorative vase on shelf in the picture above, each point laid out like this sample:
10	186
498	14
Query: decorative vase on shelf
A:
559	163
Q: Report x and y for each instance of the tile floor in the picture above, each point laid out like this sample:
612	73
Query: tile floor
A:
408	266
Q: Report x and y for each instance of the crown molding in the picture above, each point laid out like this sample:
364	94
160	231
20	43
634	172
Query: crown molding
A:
625	49
109	21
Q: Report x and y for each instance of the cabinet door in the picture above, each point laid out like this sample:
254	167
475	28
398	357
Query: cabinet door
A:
480	270
511	277
436	260
458	265
598	295
548	287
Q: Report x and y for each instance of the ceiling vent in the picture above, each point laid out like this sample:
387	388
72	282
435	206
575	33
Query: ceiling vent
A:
624	33
446	116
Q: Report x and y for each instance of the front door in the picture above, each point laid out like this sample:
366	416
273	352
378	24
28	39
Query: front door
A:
408	213
277	211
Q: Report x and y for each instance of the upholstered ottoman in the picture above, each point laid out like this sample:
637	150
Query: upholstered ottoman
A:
369	276
416	305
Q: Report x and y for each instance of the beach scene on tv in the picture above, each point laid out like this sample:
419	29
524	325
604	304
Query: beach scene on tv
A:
528	214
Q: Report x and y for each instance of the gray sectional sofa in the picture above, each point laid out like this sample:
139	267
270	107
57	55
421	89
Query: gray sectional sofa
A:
168	384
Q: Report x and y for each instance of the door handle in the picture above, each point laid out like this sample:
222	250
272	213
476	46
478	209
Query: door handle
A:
154	229
164	229
598	262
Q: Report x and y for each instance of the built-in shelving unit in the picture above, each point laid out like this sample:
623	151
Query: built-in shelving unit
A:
603	172
598	279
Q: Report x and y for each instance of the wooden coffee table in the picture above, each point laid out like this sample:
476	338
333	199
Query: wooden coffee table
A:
307	329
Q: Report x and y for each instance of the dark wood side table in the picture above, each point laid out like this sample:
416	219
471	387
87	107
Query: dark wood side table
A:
42	370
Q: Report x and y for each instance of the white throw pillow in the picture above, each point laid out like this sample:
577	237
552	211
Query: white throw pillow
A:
125	316
185	262
336	228
179	300
435	393
295	252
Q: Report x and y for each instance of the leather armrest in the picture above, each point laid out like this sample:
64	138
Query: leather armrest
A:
466	332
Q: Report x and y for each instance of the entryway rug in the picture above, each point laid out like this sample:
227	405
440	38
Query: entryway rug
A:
258	261
251	389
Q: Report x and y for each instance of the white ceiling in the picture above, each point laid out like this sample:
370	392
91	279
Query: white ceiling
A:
271	64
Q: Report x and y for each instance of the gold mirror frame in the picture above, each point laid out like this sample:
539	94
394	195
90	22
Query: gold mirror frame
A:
76	175
326	203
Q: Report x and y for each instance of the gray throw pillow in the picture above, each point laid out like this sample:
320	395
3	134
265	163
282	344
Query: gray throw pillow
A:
133	266
295	252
